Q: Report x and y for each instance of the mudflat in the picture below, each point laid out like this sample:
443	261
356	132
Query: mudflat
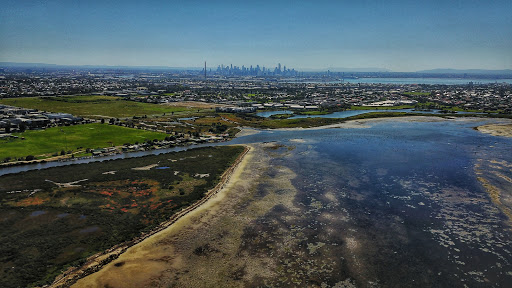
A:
504	130
202	248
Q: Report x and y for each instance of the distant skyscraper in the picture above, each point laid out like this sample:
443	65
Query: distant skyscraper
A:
253	70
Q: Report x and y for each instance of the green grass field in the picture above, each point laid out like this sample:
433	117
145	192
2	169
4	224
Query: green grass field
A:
315	112
381	108
53	140
88	105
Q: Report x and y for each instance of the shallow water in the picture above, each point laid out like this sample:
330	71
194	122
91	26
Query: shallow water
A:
37	213
395	205
430	81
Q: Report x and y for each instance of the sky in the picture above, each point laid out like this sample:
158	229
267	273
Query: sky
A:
395	35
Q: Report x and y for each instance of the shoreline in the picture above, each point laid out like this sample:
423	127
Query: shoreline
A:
503	129
220	195
208	238
349	123
364	123
97	261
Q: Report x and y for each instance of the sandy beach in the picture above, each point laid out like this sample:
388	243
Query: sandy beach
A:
202	248
98	261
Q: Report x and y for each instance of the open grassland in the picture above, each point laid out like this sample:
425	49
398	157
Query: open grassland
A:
71	138
271	123
92	106
381	107
194	105
316	112
57	217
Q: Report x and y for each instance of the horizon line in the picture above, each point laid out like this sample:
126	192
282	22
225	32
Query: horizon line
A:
326	69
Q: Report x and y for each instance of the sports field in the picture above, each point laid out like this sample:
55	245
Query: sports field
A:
90	106
44	143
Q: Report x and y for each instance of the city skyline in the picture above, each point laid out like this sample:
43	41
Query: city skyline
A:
396	36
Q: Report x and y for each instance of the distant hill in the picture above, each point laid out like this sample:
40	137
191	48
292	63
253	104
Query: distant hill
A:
441	71
467	71
338	69
57	66
27	65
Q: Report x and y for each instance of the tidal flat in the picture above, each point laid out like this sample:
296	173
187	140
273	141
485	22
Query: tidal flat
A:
384	203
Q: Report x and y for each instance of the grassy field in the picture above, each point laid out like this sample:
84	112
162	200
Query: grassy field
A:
269	123
317	112
105	106
381	108
69	138
48	223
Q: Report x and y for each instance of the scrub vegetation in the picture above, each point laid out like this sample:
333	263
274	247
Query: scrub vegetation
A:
57	217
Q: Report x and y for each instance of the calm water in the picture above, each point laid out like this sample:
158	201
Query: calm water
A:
397	204
17	169
432	81
349	113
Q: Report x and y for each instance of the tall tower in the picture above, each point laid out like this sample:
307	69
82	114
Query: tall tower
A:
204	70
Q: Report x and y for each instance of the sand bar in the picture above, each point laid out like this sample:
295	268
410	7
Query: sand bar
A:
504	130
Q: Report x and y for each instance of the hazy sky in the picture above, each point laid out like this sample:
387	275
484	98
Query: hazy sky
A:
397	35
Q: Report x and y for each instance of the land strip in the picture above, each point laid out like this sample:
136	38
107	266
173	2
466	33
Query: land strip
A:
70	218
97	261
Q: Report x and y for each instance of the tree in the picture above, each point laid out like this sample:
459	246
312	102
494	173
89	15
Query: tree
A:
22	127
102	121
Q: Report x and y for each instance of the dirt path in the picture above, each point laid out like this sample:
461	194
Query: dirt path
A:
97	261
